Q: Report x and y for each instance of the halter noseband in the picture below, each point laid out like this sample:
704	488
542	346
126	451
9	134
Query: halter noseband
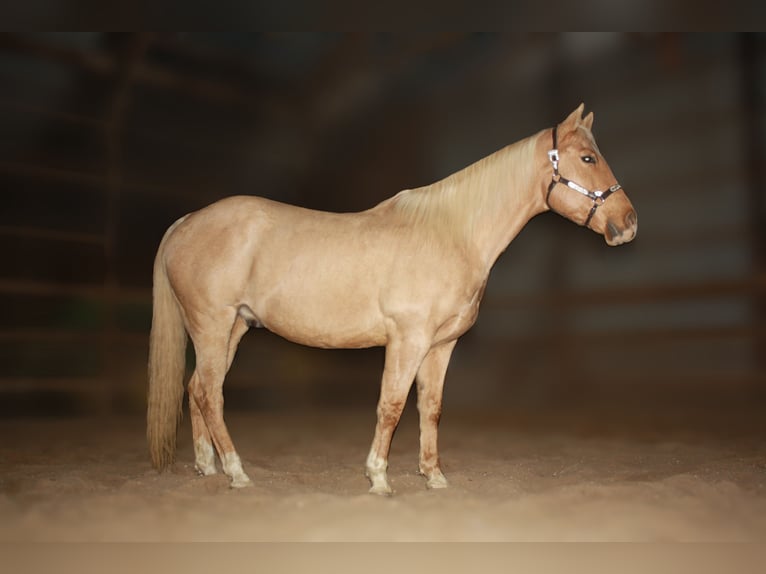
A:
598	197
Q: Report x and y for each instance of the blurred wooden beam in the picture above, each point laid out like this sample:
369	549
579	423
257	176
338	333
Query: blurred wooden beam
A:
95	291
103	63
633	295
51	234
753	93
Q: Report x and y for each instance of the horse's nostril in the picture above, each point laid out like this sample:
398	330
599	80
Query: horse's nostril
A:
631	219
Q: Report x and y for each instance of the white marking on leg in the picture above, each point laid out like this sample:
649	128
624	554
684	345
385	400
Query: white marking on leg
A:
204	457
376	472
232	467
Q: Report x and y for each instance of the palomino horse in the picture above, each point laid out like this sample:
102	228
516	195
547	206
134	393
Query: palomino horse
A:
408	274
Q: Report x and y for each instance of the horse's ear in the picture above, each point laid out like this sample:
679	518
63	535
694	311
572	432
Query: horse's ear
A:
587	121
574	119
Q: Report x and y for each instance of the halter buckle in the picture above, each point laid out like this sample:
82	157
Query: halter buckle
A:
553	156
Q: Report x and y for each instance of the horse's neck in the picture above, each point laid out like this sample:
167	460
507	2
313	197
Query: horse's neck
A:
489	202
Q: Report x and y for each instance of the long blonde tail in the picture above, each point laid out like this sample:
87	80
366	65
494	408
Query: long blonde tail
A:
167	363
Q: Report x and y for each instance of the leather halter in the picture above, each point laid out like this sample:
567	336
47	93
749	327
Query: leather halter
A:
598	197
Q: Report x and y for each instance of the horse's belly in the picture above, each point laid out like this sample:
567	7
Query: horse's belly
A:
321	324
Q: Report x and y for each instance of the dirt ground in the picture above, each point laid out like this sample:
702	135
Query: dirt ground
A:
561	475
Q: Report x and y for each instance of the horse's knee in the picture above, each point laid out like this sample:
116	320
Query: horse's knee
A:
390	411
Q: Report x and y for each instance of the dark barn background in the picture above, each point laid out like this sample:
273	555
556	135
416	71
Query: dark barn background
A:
106	139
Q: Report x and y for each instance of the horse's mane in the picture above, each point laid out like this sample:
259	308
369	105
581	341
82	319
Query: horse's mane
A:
457	204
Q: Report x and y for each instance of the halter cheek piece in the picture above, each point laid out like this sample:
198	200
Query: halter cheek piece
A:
598	197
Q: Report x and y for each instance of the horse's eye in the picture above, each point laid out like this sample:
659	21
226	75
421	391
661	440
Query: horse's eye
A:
589	159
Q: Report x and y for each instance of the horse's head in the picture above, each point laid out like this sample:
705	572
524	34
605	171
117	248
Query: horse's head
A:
582	187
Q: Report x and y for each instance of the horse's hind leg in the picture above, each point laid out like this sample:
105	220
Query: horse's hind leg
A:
204	453
215	349
430	385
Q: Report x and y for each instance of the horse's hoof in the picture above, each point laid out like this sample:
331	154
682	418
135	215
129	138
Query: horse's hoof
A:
241	482
435	479
205	470
379	482
381	490
437	482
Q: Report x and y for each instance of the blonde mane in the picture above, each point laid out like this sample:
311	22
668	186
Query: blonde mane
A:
457	204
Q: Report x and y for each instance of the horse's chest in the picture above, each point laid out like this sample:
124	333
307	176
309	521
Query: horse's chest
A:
462	316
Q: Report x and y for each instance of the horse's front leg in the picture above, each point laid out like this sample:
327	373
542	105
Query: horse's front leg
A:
430	384
403	358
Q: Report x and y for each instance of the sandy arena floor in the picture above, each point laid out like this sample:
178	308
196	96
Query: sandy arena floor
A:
514	476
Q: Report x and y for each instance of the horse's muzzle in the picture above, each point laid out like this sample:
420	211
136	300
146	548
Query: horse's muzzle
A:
625	231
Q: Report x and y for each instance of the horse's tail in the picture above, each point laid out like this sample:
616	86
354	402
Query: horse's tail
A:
167	363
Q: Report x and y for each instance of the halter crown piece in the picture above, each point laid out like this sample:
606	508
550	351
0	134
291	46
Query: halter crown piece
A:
598	197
